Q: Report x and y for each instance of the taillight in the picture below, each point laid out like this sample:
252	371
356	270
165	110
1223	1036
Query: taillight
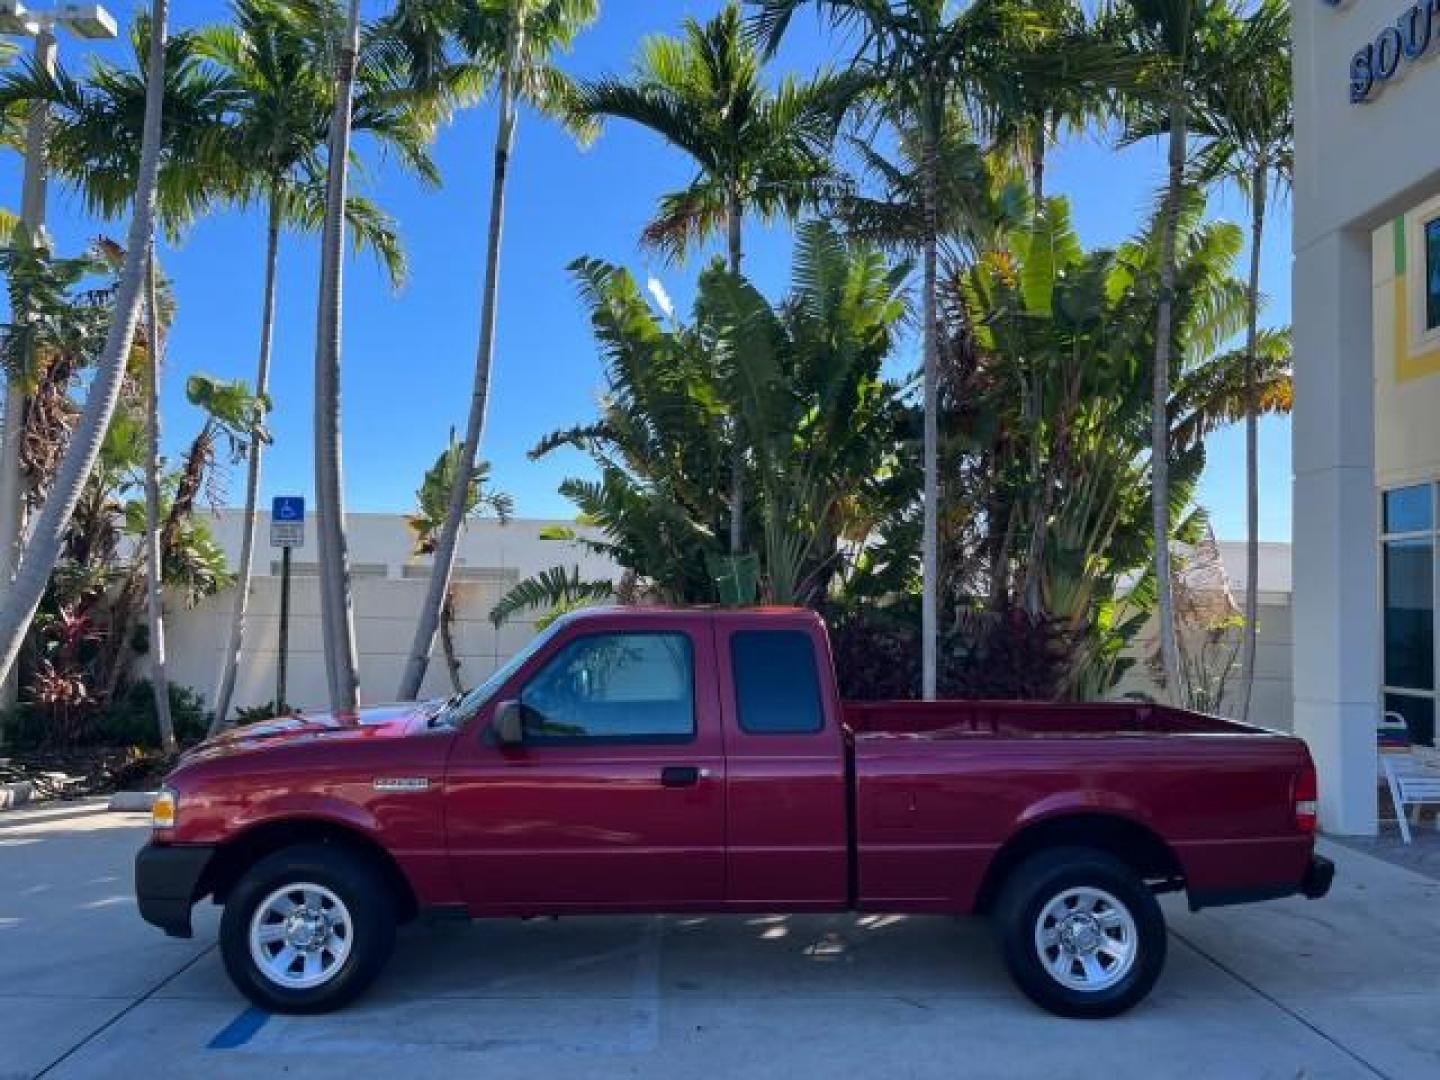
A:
1307	794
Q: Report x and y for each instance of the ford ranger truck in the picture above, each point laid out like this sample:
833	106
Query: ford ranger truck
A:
653	760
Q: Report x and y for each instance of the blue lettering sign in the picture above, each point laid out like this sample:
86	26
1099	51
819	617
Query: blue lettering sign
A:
1407	41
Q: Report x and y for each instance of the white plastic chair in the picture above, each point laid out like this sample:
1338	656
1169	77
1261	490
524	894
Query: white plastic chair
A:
1412	782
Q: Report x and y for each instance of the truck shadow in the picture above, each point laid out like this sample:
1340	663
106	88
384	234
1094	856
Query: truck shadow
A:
727	956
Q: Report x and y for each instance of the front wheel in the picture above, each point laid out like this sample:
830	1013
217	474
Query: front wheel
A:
1083	935
307	929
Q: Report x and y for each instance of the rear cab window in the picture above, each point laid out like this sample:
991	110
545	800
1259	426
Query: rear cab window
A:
777	683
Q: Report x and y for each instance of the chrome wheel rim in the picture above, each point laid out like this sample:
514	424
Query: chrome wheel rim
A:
300	935
1086	939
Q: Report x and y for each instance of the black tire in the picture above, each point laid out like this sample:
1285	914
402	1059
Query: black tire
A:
360	887
1041	879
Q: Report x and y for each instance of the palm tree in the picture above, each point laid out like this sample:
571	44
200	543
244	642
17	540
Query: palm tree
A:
336	614
432	500
1246	122
922	58
272	58
93	143
758	150
449	46
43	548
1063	79
249	106
1184	45
154	579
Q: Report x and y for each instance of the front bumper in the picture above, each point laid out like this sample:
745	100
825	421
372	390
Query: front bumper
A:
167	884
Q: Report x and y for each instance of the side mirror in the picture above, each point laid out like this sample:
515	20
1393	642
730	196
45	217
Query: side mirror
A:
507	725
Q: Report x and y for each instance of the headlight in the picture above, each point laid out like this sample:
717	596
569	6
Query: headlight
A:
163	813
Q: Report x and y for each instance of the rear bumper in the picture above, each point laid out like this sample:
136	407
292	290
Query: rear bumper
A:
1319	876
1315	883
167	884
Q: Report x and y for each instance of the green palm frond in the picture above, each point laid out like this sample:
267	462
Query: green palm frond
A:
432	497
556	590
757	150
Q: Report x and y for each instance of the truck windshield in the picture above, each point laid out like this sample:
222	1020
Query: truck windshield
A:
462	706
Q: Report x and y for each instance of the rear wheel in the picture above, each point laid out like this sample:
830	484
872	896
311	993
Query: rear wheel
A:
1083	935
307	929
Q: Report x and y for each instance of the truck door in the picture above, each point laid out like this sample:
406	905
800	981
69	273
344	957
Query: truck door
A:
615	798
785	754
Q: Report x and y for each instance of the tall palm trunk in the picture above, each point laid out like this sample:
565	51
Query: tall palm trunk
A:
447	642
443	565
1258	182
734	216
930	539
230	663
154	566
1160	403
1038	146
20	600
337	616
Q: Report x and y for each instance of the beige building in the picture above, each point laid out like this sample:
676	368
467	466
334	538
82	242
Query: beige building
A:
1367	385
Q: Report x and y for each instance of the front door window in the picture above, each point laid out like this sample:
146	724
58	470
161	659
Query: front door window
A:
626	687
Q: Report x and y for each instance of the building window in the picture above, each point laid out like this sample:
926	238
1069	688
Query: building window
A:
1407	510
1410	614
1408	548
1432	274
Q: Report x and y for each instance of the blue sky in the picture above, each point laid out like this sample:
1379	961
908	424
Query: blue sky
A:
408	356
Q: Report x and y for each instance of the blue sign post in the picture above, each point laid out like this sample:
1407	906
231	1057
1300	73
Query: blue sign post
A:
287	532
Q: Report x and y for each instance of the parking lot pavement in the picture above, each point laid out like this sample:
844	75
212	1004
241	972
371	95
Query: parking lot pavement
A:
1345	987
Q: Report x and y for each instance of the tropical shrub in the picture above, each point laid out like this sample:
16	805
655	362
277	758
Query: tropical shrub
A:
823	426
126	720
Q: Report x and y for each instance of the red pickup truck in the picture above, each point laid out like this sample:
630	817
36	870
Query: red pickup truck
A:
661	760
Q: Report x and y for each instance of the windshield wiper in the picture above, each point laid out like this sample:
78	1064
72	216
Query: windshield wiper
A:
446	706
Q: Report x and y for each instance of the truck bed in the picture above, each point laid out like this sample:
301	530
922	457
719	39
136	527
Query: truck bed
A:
1029	720
953	779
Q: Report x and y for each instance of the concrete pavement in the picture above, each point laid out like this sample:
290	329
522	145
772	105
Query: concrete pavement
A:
1345	987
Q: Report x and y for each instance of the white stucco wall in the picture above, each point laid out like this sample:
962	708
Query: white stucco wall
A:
1272	704
388	586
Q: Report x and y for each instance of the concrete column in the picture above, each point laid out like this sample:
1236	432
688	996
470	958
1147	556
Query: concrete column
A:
1336	607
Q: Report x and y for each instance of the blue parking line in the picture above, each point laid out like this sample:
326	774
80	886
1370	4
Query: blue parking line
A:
240	1030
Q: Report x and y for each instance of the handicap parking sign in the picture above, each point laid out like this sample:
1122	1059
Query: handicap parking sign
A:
287	521
289	508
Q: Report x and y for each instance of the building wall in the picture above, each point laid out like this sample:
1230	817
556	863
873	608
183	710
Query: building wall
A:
1359	164
1406	357
389	587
